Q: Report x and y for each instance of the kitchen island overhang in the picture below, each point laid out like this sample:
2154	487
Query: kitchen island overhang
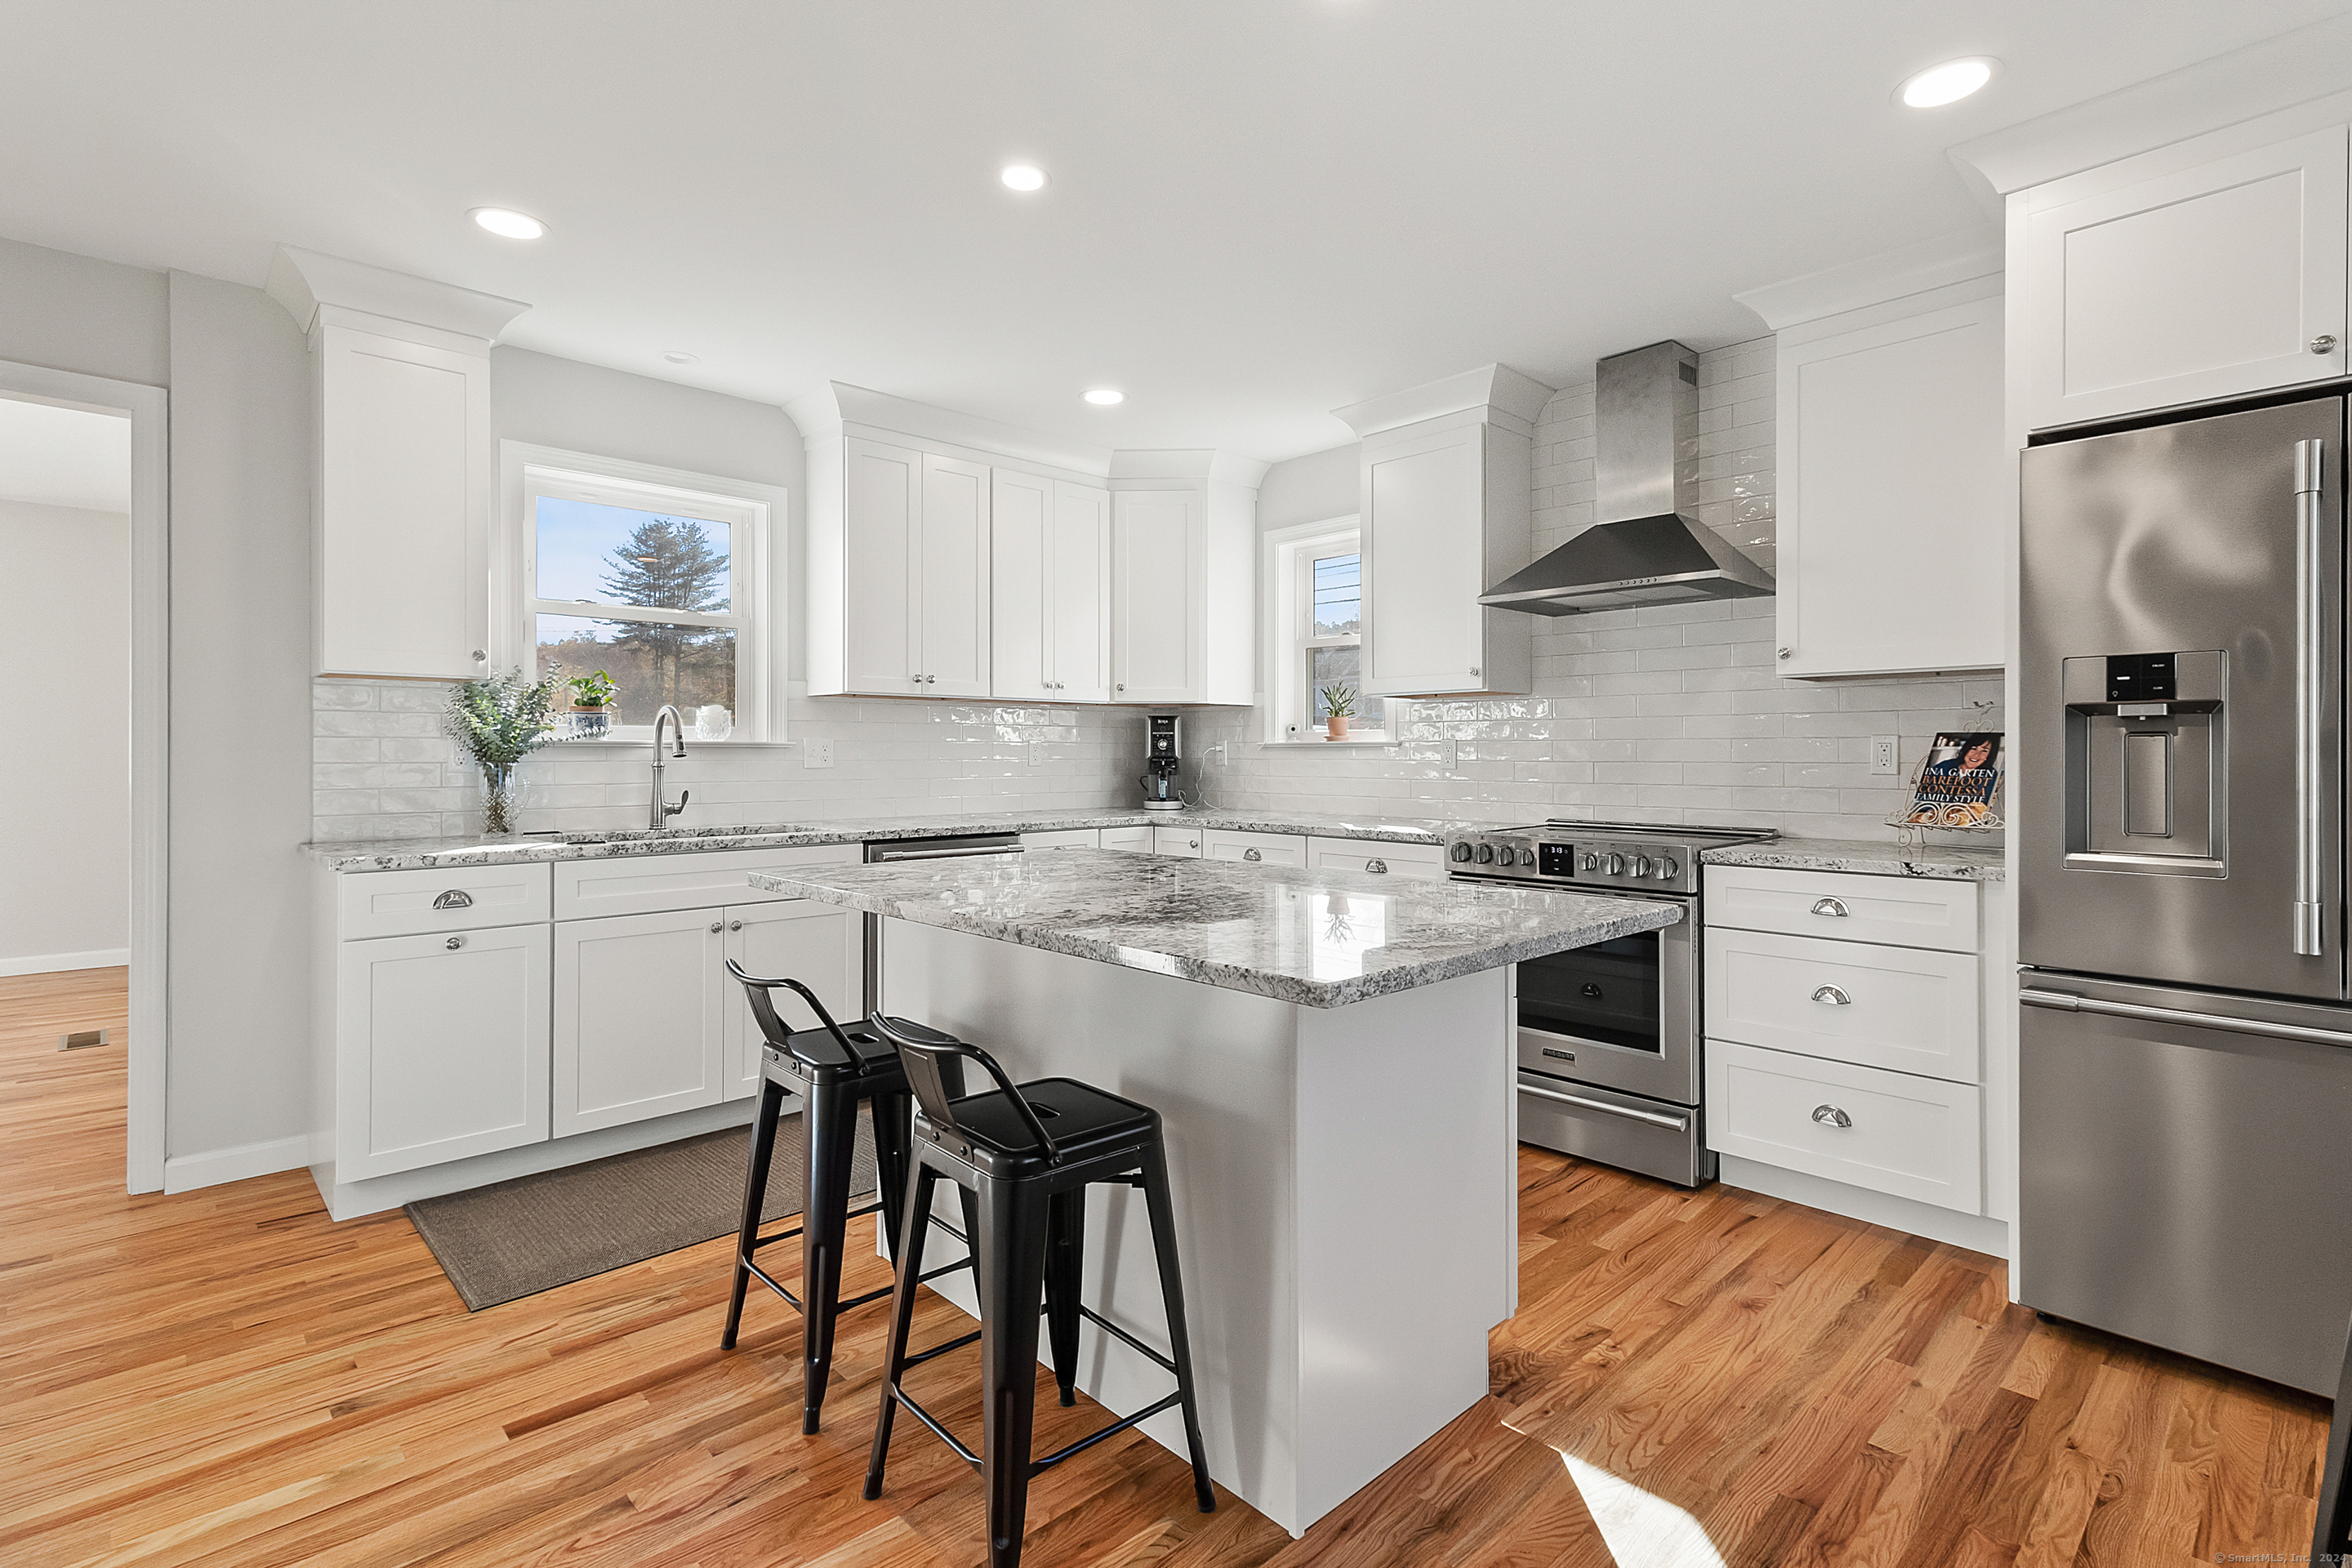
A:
1333	1056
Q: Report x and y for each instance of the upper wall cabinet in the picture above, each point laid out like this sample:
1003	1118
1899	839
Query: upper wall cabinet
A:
1445	487
405	457
1050	627
906	541
1184	579
2180	276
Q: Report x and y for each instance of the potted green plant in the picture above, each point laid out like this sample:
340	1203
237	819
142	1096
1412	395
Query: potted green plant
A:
498	721
1340	704
592	704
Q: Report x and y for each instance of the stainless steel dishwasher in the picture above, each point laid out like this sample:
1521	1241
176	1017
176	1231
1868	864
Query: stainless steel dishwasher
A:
947	846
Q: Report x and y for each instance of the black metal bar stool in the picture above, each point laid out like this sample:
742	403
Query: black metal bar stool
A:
833	1075
1029	1235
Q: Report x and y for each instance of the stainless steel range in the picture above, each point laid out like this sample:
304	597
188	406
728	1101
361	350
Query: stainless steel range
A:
1609	1034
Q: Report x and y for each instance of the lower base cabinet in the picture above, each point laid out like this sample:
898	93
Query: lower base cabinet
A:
640	1018
820	945
441	1044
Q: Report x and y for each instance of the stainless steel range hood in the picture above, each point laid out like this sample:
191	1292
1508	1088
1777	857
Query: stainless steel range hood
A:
1645	547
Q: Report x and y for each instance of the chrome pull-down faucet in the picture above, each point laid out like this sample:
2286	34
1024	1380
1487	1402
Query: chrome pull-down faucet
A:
662	811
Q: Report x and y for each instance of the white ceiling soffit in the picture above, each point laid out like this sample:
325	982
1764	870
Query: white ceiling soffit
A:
1257	211
53	456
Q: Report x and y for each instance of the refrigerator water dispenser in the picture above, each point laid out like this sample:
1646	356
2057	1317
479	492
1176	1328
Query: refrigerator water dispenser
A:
2146	764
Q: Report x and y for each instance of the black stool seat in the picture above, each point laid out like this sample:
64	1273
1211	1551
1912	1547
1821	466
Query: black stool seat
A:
1022	1159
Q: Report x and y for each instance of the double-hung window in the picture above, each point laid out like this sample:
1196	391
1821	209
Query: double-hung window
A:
1315	634
652	579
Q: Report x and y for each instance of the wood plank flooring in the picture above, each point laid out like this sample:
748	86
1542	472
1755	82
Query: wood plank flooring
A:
224	1377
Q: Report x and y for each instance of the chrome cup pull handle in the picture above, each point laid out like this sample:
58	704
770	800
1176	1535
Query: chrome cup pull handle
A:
455	899
1251	854
1830	1116
1378	867
1832	996
454	943
1830	907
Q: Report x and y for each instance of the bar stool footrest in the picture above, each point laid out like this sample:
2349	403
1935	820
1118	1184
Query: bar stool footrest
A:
764	1278
1113	1430
1106	1326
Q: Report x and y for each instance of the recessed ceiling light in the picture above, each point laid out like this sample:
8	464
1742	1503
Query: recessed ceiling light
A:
1023	177
510	224
1947	83
1104	396
680	356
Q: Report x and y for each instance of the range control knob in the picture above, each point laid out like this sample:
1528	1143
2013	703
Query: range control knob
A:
1486	853
1460	852
1590	862
1669	870
1615	866
1640	864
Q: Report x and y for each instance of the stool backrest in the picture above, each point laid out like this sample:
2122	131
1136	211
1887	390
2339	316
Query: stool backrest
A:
926	1053
779	1033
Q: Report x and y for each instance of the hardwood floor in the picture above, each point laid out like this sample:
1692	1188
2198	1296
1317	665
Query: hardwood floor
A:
224	1377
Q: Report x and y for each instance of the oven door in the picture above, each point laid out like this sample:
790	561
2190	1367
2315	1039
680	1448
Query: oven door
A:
1621	1014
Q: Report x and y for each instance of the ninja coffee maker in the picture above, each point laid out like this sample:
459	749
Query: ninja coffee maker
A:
1160	763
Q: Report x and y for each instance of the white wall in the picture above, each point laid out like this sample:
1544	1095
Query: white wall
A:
65	656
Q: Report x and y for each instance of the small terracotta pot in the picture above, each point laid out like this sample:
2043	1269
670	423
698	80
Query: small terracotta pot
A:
1335	726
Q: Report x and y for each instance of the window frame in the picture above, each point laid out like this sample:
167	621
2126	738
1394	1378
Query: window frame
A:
756	591
1289	630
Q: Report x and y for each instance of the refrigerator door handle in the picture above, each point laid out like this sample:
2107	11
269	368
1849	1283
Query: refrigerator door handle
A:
2073	1002
2310	689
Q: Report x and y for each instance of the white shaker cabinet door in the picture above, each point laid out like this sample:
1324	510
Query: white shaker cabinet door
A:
1021	612
1183	842
1445	517
882	493
441	1045
1078	599
820	945
954	574
1158	633
2224	277
640	1018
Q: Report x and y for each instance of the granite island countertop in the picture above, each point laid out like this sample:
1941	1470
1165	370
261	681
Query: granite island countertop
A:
420	854
1315	938
1865	857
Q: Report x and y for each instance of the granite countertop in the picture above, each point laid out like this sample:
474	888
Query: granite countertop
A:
1319	939
1866	856
418	854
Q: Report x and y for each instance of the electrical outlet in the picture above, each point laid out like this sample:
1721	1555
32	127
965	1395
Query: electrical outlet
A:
1884	750
816	754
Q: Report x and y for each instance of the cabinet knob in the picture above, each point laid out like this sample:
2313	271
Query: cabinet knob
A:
928	680
718	925
1831	996
1192	843
454	943
481	658
1781	653
1830	907
1830	1116
1251	854
2325	343
1122	686
734	925
1377	867
1474	669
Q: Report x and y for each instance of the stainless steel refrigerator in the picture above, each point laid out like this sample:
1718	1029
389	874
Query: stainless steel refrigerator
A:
2185	1083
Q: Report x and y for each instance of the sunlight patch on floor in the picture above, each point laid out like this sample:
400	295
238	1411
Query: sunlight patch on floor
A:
1642	1530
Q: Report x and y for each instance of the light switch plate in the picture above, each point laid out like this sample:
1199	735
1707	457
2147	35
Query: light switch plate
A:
1885	755
816	754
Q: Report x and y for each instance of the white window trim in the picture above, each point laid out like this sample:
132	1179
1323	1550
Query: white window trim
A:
759	593
1289	602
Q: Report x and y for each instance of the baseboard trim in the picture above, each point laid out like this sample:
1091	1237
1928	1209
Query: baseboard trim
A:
53	963
1973	1231
186	1173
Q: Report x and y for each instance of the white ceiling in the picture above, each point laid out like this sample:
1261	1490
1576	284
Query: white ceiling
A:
1260	210
64	456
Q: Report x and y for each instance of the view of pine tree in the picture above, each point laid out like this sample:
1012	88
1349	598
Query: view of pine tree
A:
667	564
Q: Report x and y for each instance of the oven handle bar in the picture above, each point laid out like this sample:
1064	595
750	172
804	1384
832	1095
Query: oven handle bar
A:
1653	1118
2070	1002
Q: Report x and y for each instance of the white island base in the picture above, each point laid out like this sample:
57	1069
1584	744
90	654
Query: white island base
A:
1346	1198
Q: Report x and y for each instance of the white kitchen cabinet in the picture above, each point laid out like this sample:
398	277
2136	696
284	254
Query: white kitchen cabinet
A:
953	609
1426	861
1893	1133
441	1048
1445	481
2156	280
1256	848
709	879
1050	608
1132	840
1184	593
898	561
1892	473
1185	842
820	945
1067	838
419	902
640	1018
1910	1009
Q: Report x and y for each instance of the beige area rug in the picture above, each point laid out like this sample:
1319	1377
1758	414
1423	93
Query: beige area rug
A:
516	1239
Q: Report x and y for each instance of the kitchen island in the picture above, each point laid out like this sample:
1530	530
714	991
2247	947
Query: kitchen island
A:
1332	1053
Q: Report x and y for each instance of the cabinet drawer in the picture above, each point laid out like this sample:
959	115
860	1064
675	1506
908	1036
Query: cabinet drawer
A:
463	897
1907	1008
1258	848
1423	860
1911	911
1184	841
1062	839
1135	840
1914	1137
645	885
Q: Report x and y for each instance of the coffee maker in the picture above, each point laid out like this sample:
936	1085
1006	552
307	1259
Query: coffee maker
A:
1160	763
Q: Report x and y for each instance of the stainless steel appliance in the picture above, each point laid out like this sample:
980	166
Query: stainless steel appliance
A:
947	846
1609	1034
2186	1042
1161	762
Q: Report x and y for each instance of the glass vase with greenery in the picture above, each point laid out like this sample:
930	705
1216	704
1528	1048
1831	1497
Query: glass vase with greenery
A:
498	721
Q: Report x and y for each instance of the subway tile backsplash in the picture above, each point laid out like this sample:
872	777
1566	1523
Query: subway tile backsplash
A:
1670	715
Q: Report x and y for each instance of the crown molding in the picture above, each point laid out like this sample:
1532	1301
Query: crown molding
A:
835	407
303	281
1189	463
1957	257
1496	388
2275	74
